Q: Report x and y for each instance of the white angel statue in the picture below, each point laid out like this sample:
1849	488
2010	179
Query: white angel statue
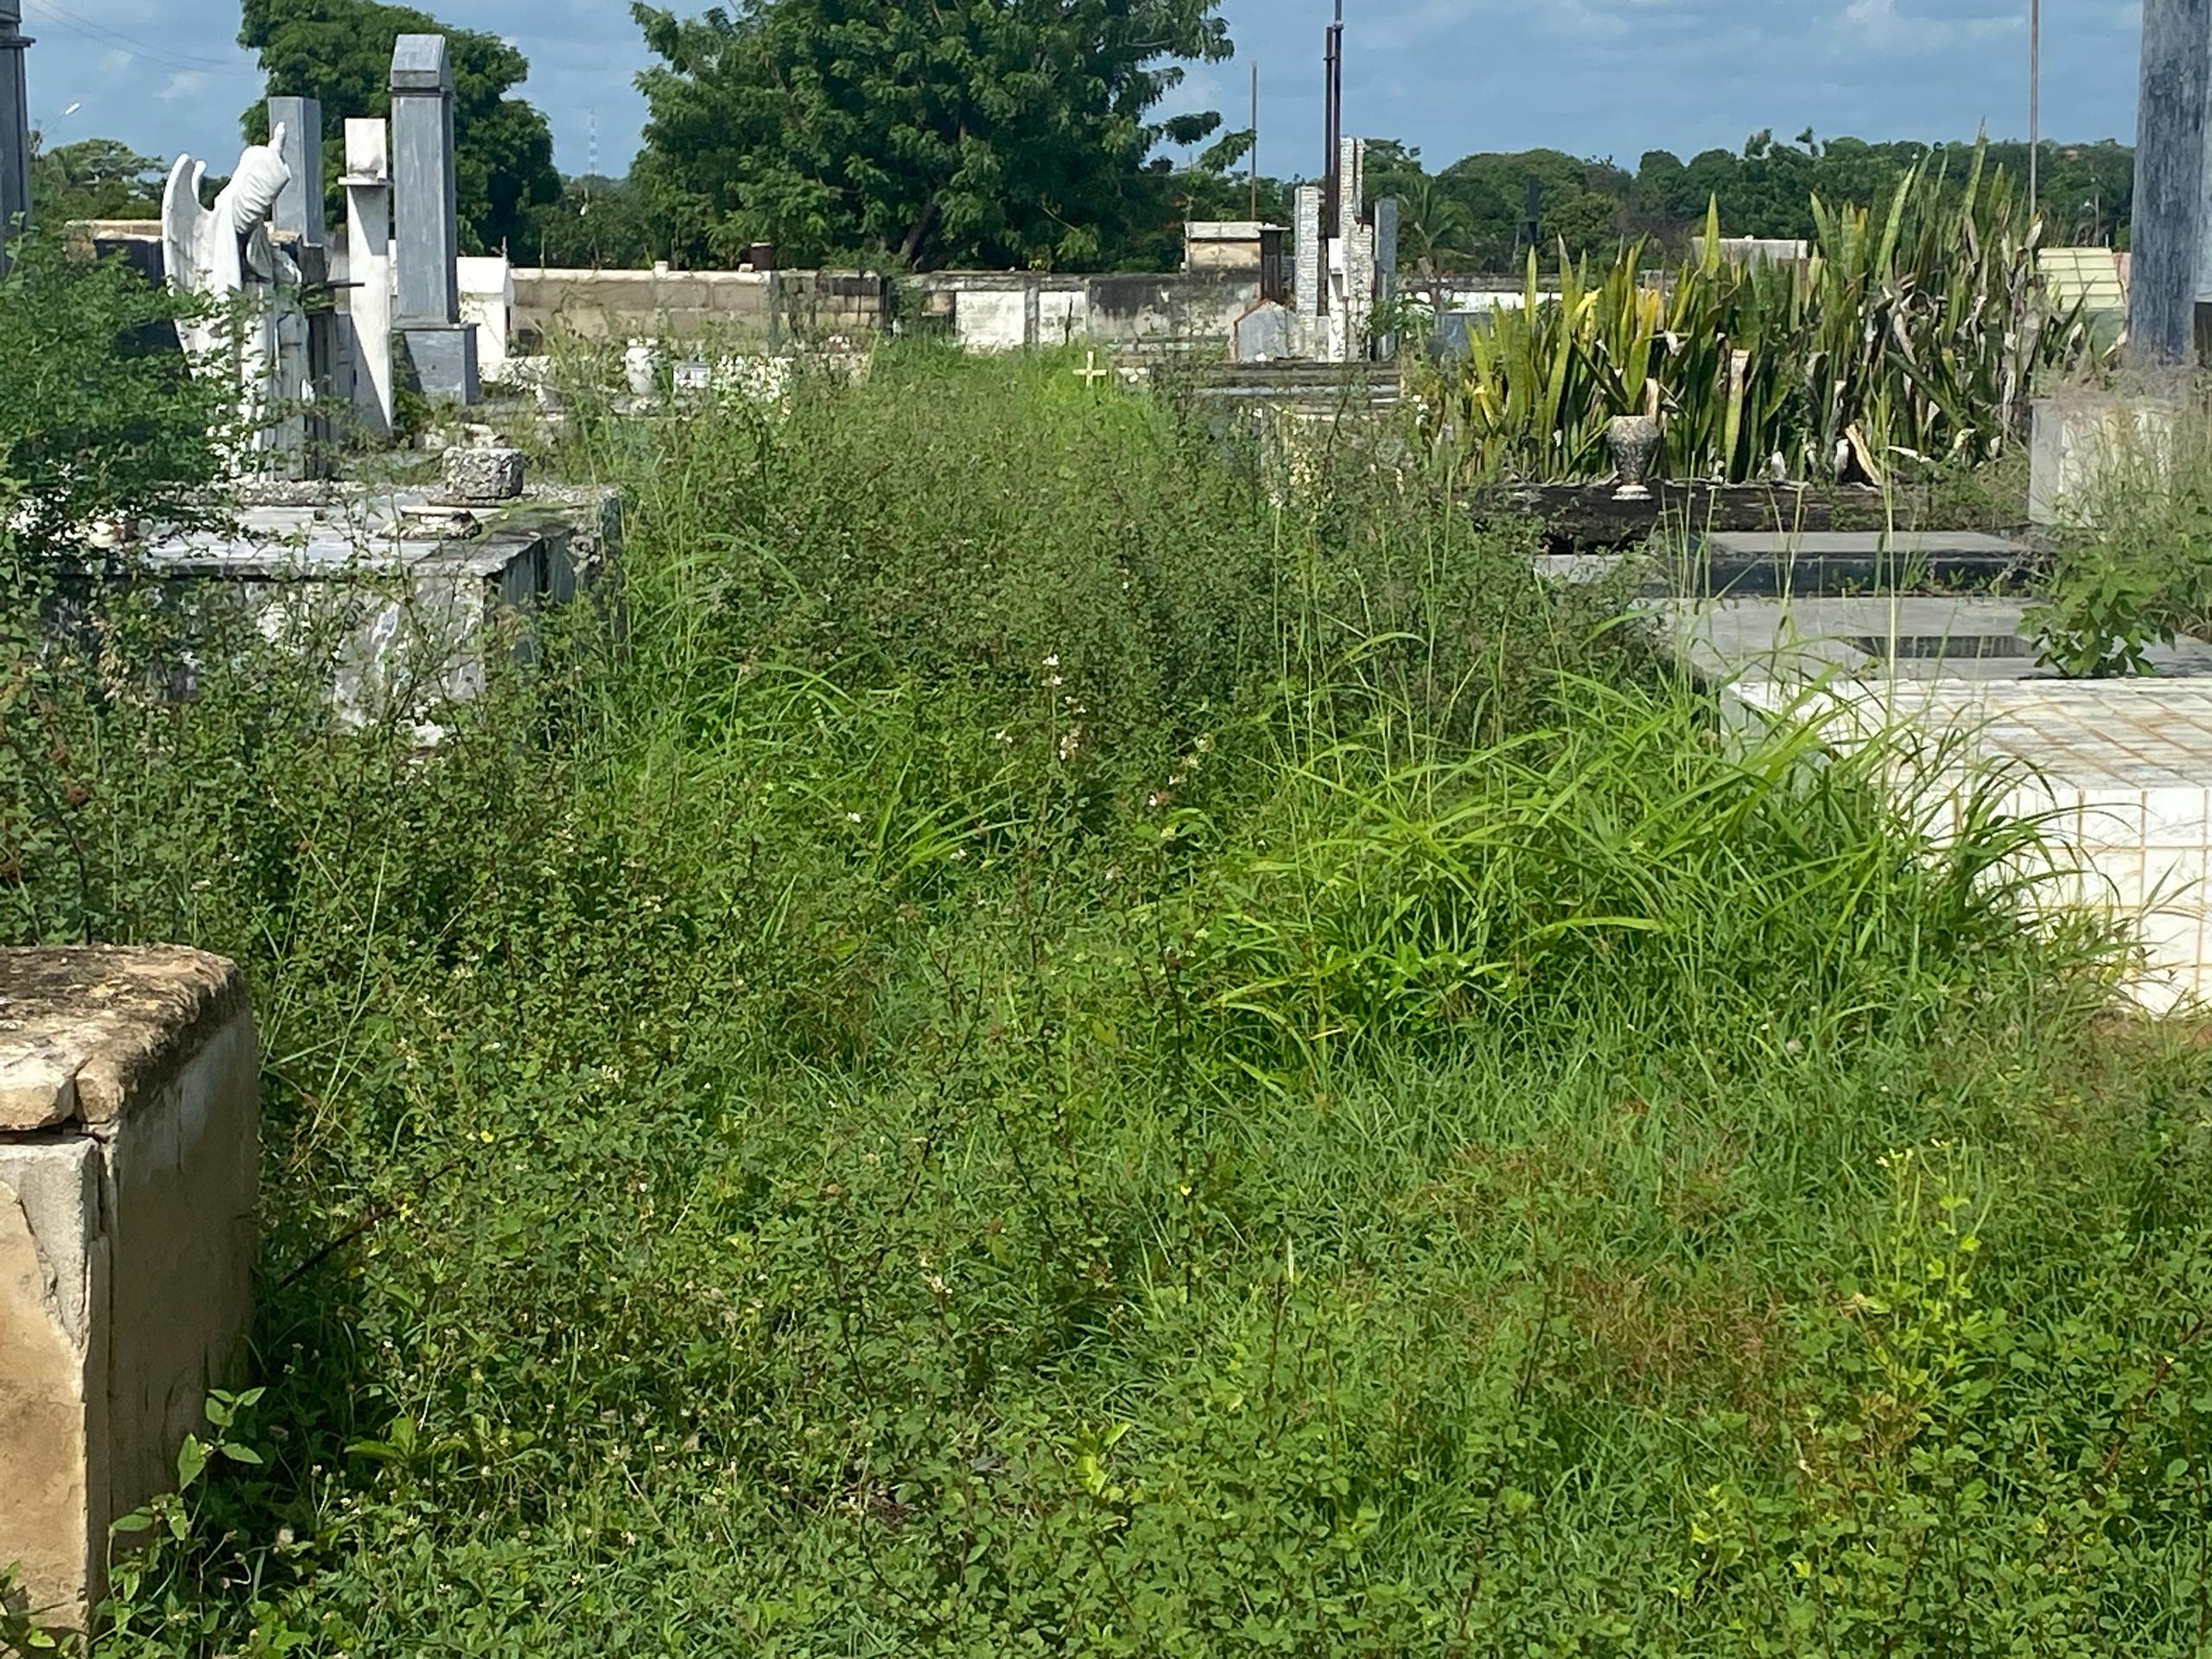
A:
224	254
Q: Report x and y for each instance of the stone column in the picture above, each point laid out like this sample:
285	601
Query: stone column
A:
1310	275
129	1091
15	129
2170	181
368	270
443	347
299	205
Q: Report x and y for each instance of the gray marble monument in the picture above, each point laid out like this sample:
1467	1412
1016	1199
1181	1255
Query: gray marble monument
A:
2169	182
441	347
14	128
299	207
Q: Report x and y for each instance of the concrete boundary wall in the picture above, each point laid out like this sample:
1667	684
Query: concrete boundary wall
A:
985	310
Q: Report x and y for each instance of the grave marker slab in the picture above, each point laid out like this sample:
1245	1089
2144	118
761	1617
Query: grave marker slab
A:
299	204
441	348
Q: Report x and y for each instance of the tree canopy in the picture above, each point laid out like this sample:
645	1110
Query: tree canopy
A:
339	51
923	132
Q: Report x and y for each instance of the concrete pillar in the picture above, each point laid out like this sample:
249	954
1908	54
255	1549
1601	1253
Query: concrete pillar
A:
2170	181
14	128
368	270
299	205
1311	276
441	348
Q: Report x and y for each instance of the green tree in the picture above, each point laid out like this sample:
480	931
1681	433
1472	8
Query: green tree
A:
925	132
599	224
95	178
1434	234
339	51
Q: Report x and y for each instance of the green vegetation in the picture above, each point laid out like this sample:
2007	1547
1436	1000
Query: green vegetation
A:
339	51
95	178
2134	557
1068	1051
98	416
1912	339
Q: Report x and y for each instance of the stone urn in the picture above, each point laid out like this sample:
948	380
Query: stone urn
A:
1633	442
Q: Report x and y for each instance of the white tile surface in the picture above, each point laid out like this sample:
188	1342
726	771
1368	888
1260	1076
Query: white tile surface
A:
2118	774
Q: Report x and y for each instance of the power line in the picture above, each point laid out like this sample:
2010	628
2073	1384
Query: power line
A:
45	11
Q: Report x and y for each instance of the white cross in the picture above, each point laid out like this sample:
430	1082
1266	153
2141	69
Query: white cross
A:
1090	374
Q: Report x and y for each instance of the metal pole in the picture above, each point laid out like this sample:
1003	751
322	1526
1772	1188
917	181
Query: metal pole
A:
1256	143
1332	59
2035	107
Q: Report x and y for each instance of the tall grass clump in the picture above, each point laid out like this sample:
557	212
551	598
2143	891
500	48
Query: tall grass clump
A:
1066	1051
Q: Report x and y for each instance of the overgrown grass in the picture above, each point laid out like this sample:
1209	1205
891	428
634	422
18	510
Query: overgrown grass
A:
1060	1056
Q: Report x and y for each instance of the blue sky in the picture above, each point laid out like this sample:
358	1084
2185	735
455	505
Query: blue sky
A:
1592	76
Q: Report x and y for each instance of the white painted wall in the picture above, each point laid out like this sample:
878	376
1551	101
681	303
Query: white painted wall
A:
487	299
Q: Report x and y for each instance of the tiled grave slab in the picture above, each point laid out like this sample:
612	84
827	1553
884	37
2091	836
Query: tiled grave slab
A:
1903	545
1880	638
2117	773
1768	562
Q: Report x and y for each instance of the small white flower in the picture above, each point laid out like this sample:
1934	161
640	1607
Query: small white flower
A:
852	817
1053	661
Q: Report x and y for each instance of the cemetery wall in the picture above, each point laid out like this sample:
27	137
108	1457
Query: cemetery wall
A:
985	310
620	305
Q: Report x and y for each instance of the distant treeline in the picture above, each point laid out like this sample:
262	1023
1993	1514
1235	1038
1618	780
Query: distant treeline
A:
1471	216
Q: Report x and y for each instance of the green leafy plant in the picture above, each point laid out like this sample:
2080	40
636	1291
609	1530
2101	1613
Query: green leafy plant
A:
1912	338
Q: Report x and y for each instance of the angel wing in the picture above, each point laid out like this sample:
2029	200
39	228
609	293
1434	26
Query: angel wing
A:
184	225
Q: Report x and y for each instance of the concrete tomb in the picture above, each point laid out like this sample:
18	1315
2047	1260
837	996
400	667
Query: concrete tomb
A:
2085	445
1266	334
129	1160
1343	280
406	601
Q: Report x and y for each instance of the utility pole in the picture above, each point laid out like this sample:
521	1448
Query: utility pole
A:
2035	106
1333	117
1256	142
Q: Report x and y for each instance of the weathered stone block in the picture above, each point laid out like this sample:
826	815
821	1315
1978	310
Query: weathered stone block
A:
482	476
128	1158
